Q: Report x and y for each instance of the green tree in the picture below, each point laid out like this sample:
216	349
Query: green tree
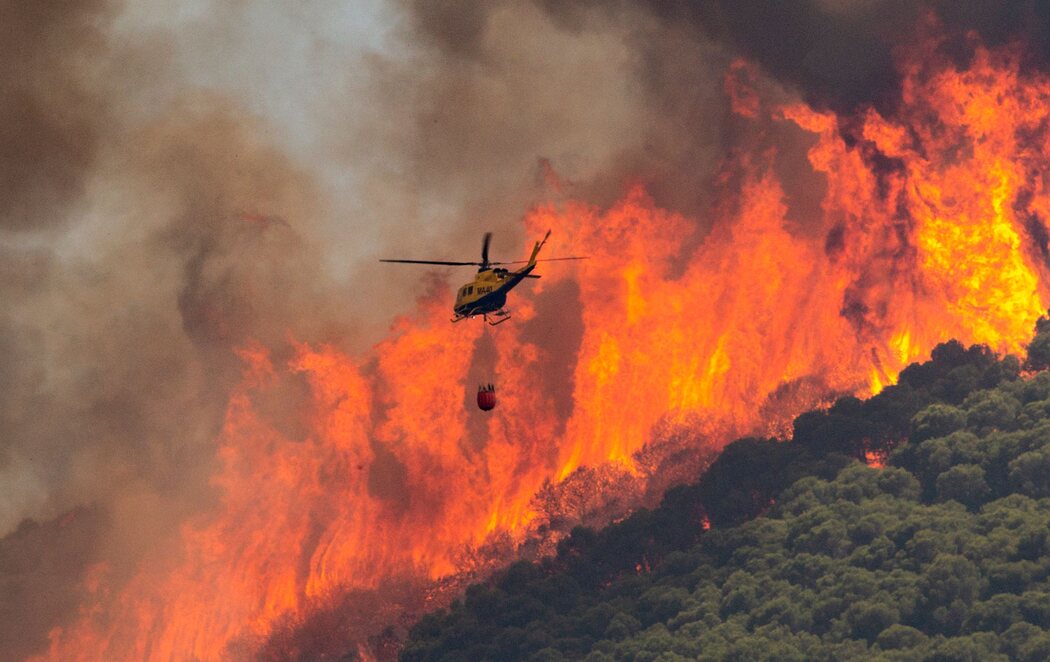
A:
1030	473
964	483
950	584
995	614
621	626
868	618
991	410
899	637
1039	347
936	421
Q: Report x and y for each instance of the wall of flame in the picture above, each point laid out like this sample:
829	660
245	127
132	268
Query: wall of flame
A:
929	230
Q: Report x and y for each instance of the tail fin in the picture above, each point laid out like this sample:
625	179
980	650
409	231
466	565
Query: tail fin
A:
537	247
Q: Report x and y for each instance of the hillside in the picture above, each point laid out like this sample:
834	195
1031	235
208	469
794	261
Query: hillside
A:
942	554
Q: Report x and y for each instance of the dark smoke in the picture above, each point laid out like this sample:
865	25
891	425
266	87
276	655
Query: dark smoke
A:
152	222
140	244
39	564
841	54
837	54
116	371
50	117
51	122
604	93
154	216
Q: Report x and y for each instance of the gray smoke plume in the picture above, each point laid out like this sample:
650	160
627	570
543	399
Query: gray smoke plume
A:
175	184
51	117
177	180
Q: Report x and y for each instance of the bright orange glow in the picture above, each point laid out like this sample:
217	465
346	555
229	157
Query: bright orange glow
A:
395	474
875	460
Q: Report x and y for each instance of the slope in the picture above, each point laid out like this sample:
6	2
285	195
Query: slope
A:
943	554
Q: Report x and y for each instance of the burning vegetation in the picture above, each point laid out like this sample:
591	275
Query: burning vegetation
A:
846	226
942	554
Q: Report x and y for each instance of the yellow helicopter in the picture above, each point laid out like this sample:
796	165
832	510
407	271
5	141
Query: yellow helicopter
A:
486	295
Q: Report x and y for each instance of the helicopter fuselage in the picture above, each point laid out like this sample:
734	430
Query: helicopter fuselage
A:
487	293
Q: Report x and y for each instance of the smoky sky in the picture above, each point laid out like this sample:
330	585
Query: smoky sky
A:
840	54
50	119
836	54
179	180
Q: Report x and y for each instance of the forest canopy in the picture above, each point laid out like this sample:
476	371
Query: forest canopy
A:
942	554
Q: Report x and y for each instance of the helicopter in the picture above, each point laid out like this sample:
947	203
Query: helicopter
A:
486	295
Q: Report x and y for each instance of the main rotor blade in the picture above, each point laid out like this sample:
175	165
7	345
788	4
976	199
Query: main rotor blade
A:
485	249
452	264
544	259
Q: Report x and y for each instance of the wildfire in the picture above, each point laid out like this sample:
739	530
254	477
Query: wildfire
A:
875	459
925	234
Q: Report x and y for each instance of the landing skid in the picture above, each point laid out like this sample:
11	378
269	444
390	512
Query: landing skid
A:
501	316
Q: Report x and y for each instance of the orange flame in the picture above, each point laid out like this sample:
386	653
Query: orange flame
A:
922	238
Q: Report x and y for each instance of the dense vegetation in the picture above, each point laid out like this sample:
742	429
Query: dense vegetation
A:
944	554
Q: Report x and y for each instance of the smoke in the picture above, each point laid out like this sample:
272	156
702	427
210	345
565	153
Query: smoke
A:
51	118
842	54
148	227
668	62
177	182
603	96
40	565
